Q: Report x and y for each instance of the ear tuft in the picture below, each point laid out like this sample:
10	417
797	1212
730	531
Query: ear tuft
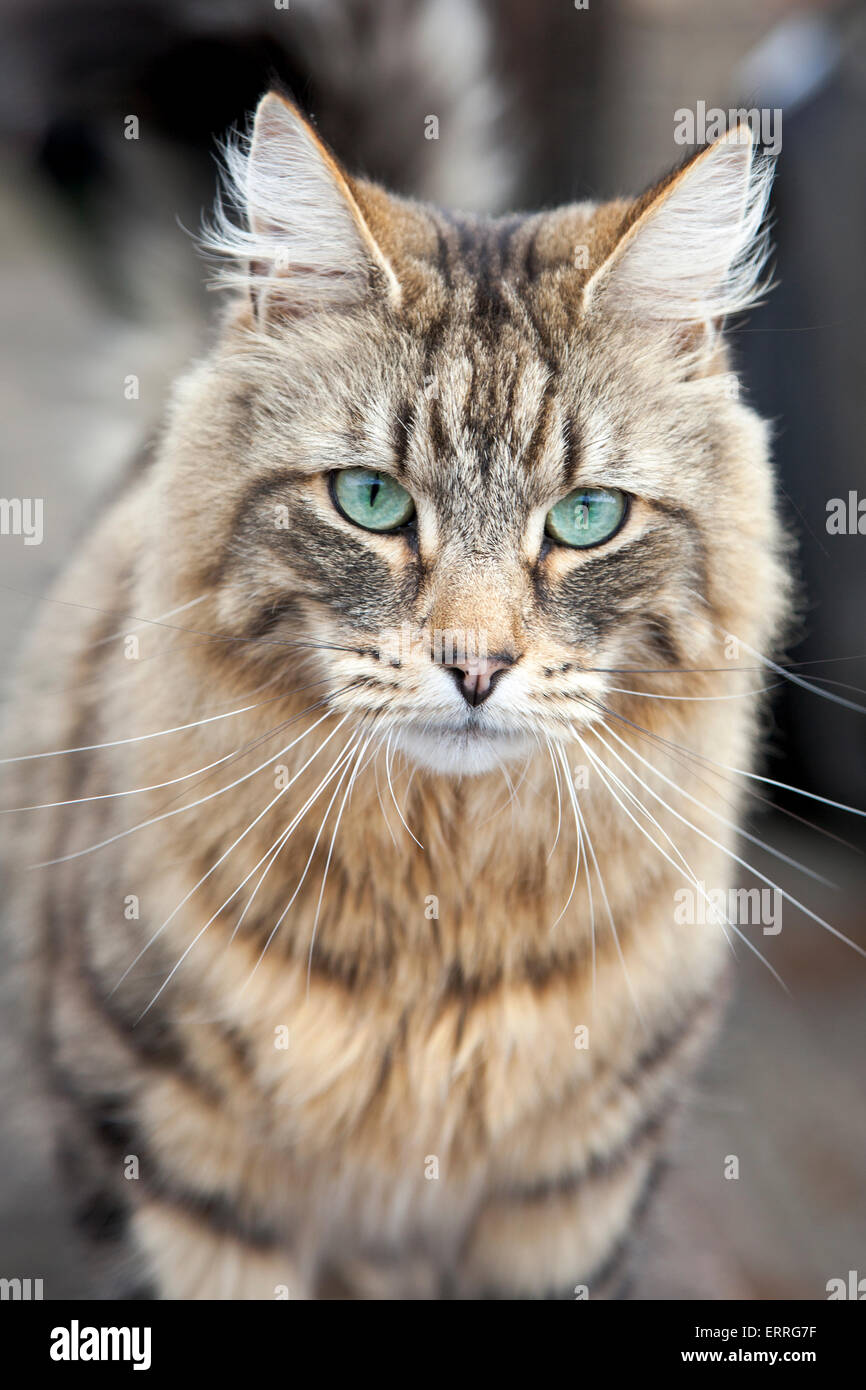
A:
286	225
698	250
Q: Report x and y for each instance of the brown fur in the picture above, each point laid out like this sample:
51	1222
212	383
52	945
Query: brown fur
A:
412	1036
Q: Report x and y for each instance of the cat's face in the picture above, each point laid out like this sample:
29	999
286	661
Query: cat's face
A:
490	468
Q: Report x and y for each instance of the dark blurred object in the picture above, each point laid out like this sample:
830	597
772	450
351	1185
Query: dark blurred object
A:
372	73
555	59
804	359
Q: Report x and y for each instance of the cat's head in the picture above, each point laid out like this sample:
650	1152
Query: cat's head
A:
475	468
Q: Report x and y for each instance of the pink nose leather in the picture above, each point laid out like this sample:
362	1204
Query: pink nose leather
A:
475	678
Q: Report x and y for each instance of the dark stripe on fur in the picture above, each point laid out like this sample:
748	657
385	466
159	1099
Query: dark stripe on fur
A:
649	1128
119	1137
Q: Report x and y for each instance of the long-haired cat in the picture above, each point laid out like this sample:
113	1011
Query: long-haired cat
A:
390	694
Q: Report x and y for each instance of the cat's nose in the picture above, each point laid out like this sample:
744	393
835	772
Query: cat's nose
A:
476	677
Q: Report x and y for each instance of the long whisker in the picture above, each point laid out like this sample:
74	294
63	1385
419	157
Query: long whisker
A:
607	777
198	632
379	792
200	933
260	739
524	771
409	780
814	689
783	893
286	833
509	784
740	772
344	768
732	825
511	799
684	759
391	789
347	793
584	835
180	810
585	832
109	796
98	679
171	613
573	800
224	856
843	685
730	668
825	660
683	862
726	921
737	695
689	759
197	772
558	798
140	738
789	675
617	943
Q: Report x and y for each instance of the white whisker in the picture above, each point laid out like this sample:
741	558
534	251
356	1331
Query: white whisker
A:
140	622
379	792
797	680
346	795
287	832
558	798
724	767
344	768
573	801
783	893
585	833
738	695
635	800
228	851
200	933
606	773
732	825
134	791
138	738
391	789
616	939
180	810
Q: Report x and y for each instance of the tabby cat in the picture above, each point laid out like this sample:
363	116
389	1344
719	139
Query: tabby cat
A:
395	697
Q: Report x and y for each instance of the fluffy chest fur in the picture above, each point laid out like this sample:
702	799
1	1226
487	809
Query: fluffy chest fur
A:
439	1046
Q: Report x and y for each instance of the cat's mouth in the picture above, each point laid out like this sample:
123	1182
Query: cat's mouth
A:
469	731
462	748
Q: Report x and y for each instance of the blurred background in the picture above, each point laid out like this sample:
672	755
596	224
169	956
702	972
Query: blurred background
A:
537	104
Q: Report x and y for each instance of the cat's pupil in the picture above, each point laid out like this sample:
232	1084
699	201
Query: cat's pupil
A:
374	488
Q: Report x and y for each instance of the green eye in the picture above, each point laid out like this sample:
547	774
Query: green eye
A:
372	500
587	516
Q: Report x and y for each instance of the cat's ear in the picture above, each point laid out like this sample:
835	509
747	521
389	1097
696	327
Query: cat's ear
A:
694	248
305	244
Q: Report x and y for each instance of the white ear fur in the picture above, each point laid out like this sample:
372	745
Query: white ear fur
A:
304	238
699	251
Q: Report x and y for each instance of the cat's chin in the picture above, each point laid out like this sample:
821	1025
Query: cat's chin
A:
463	752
